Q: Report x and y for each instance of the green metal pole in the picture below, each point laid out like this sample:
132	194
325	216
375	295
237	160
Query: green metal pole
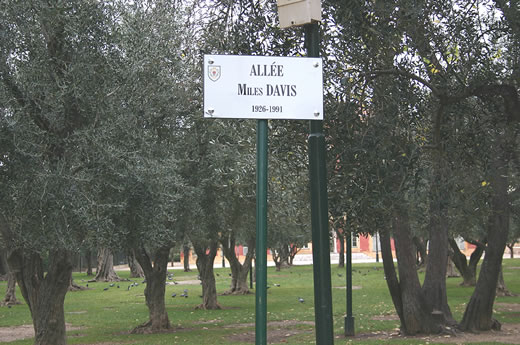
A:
349	319
319	215
261	234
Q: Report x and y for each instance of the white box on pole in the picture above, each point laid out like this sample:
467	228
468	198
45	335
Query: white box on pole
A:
298	12
263	87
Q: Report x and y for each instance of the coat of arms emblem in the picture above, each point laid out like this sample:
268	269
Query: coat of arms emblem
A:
214	73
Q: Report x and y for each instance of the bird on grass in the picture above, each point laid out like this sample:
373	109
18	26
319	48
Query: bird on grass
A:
174	294
112	285
277	285
340	275
105	289
301	300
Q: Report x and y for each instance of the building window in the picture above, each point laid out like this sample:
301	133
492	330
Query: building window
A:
355	241
376	244
461	243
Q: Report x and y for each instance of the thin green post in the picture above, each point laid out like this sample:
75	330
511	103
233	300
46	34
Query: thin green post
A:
349	319
261	234
319	215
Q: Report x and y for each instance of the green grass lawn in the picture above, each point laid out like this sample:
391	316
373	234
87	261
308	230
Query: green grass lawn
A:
106	317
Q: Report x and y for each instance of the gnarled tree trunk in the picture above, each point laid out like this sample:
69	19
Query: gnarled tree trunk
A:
417	315
479	311
186	258
467	270
390	275
154	292
281	256
75	287
451	271
136	271
105	267
511	247
239	272
88	256
10	293
293	250
205	260
3	264
434	286
44	294
502	289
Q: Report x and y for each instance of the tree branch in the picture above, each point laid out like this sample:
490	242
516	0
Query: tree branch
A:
508	92
34	110
406	74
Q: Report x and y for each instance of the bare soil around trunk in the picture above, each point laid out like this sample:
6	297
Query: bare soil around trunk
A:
510	334
280	331
13	333
277	331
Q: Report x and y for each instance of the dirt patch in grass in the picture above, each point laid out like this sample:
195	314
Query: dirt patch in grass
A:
285	323
184	282
277	331
108	343
510	334
388	317
275	336
354	287
13	333
508	306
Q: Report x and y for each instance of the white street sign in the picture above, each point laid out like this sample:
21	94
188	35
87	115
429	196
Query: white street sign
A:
263	87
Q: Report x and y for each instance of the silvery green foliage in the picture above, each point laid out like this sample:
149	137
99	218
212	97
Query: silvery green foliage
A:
96	98
53	78
382	125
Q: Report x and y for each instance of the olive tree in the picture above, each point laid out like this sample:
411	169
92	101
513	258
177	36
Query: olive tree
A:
54	58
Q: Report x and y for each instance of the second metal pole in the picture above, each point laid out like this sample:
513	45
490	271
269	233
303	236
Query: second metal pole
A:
349	319
319	216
